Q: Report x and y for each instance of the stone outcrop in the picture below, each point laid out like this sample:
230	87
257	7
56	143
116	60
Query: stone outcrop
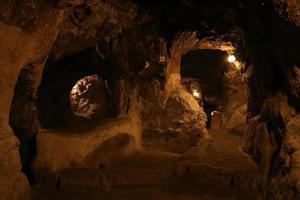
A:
182	109
88	146
269	139
292	144
237	120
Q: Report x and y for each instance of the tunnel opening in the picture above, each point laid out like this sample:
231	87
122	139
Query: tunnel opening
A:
75	90
88	98
215	79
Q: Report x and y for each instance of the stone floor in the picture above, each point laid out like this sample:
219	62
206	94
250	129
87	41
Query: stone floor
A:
214	169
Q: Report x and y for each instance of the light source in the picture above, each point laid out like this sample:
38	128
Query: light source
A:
231	58
213	112
196	94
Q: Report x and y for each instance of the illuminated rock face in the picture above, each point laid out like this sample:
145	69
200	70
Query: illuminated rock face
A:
88	98
182	109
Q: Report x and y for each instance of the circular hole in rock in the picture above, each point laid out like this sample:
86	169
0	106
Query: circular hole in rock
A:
88	98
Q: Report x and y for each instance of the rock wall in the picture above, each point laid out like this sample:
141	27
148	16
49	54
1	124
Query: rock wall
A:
272	39
88	146
24	44
28	31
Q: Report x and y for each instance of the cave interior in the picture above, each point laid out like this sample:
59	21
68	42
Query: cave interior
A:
164	99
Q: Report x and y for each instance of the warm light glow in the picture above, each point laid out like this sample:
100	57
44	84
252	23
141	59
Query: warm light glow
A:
231	58
213	112
196	94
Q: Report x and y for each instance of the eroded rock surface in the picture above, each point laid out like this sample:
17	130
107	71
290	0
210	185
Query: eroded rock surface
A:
62	149
182	109
212	160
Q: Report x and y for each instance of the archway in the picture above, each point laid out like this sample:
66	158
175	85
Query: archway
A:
202	71
76	79
230	91
216	81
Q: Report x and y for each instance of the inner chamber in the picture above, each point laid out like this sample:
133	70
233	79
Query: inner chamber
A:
74	91
216	83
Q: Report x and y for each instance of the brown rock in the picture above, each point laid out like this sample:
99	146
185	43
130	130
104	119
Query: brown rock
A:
293	133
171	140
217	120
277	106
84	146
264	146
212	161
294	86
249	134
182	108
237	120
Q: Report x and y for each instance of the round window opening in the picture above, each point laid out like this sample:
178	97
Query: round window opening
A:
88	98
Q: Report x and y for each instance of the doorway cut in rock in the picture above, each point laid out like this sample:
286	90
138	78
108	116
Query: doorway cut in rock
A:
216	83
74	91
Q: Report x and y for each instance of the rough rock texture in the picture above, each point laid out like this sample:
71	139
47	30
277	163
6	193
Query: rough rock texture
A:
293	143
217	120
145	172
249	132
268	140
264	147
172	140
272	39
59	81
26	46
235	109
277	106
142	44
182	109
164	125
237	119
60	149
88	98
12	182
94	21
294	85
272	42
29	37
213	160
289	9
183	43
151	97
